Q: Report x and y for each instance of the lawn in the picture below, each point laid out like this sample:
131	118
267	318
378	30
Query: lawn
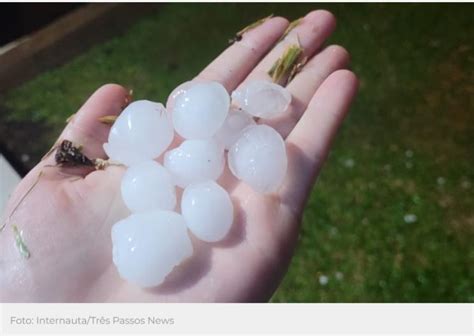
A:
391	218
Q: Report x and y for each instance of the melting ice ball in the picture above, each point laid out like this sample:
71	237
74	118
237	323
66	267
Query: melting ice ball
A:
259	158
235	122
148	186
147	246
207	210
142	132
262	99
195	161
200	110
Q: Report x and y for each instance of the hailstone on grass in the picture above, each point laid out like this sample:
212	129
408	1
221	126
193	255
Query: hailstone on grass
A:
148	245
200	110
207	210
259	158
195	161
262	99
148	186
235	122
142	132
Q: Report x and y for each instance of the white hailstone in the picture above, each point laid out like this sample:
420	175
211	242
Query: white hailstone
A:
142	132
323	280
262	99
235	122
200	110
148	245
195	161
410	218
148	186
259	158
207	210
177	92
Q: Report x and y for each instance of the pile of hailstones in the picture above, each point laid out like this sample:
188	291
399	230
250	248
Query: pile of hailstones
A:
154	239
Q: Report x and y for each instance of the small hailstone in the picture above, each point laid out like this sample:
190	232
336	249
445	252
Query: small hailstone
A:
410	218
441	180
323	280
262	99
339	275
195	161
235	122
142	132
148	245
148	186
349	163
207	210
409	153
259	158
200	110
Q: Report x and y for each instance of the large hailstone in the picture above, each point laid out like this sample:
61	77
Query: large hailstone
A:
148	186
195	161
259	158
147	246
262	99
142	132
235	122
207	210
200	110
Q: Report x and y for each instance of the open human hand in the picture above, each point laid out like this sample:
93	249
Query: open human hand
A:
66	220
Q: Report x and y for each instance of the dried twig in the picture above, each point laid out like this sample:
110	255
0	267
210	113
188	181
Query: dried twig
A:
108	119
239	34
291	26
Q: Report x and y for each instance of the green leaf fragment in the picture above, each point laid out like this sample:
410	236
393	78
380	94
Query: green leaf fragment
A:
20	244
286	65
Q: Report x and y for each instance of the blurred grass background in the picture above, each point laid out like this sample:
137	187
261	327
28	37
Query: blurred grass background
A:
392	216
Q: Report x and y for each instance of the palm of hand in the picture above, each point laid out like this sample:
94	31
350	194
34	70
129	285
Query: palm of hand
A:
66	221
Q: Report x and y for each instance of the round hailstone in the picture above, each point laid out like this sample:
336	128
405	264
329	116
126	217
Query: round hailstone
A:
147	246
195	161
177	92
262	99
258	158
200	110
207	210
142	132
235	122
148	186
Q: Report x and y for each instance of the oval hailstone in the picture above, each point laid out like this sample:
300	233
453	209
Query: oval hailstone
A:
262	99
148	186
207	210
235	122
200	110
142	132
195	161
170	102
259	158
147	246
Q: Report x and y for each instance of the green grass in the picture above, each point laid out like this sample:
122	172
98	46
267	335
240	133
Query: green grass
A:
407	147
